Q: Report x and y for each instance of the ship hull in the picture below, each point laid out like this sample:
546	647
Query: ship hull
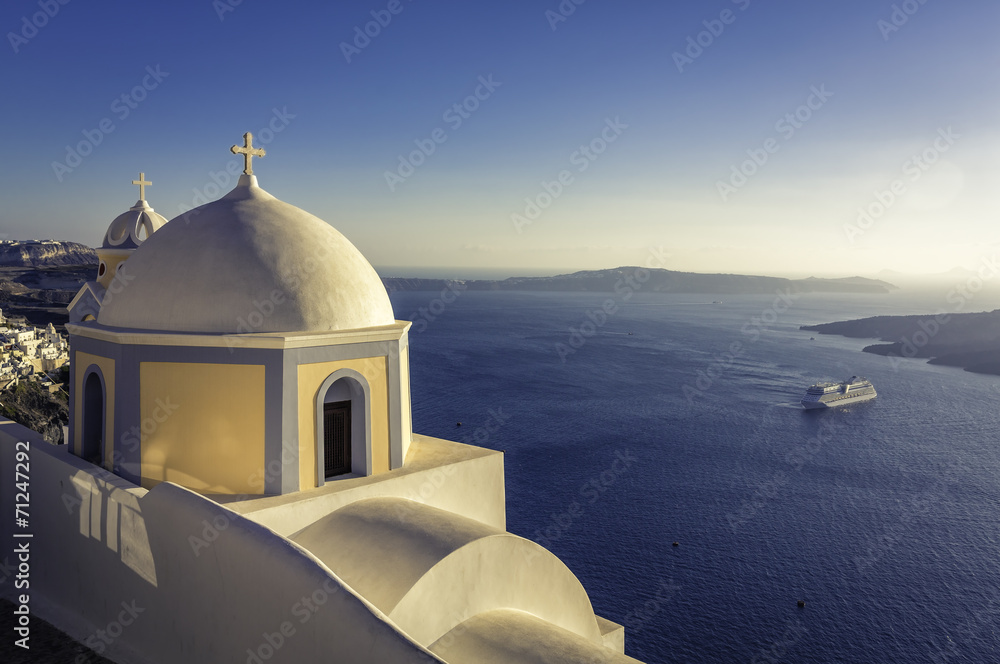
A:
838	402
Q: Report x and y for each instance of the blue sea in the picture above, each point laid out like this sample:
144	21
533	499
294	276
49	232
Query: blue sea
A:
673	419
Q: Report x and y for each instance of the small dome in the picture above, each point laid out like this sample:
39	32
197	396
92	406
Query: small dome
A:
131	228
248	262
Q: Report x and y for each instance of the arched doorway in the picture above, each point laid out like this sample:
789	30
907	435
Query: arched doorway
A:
343	428
93	419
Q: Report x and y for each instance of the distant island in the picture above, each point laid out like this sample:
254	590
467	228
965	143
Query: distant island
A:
39	278
659	281
970	341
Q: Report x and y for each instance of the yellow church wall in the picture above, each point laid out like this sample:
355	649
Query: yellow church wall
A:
83	361
203	426
111	259
311	377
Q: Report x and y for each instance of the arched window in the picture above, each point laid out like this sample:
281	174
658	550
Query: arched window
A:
93	418
343	426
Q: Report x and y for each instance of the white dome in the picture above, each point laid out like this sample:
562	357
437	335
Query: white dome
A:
131	228
247	262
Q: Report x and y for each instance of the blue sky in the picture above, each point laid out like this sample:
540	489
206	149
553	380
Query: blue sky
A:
750	152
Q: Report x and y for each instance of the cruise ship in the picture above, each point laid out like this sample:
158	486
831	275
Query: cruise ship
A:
831	395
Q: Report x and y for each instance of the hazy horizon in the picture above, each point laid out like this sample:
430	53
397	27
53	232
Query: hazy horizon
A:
989	266
908	280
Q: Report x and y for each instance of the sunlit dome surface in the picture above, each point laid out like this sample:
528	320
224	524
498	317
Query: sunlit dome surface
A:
247	262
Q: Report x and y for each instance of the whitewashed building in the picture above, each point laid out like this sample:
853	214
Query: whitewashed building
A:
241	465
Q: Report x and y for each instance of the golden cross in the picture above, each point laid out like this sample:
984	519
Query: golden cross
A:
142	185
248	151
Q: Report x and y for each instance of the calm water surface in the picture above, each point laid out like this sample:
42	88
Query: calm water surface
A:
883	517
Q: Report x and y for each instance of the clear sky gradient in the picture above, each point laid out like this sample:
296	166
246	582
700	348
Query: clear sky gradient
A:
664	119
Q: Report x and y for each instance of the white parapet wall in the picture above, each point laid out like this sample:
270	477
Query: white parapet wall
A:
168	575
460	478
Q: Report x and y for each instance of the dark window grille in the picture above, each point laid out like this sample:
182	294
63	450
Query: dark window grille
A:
337	438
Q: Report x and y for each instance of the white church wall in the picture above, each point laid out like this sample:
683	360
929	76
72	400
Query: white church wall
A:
452	476
176	577
405	556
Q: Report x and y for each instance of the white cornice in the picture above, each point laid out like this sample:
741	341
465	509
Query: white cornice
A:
126	337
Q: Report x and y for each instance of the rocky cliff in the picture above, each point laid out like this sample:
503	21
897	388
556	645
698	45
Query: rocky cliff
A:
45	253
33	406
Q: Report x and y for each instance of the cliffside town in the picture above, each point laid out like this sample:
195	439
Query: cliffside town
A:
30	353
33	375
